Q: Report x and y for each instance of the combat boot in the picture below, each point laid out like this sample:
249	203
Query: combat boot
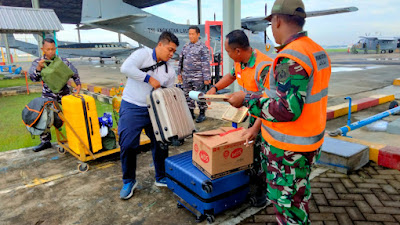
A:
42	146
192	112
202	116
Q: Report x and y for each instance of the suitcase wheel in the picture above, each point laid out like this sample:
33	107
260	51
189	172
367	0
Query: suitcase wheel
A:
60	150
83	167
207	186
251	172
179	205
210	218
200	219
253	201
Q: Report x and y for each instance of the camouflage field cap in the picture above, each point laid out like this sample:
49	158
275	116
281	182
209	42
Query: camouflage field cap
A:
288	7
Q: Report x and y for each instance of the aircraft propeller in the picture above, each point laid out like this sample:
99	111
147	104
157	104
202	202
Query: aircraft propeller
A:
265	31
267	42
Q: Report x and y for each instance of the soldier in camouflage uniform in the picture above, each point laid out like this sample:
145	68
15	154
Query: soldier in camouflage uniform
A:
194	70
293	117
49	50
250	69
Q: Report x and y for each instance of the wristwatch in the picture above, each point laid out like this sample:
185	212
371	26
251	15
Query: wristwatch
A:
213	86
246	100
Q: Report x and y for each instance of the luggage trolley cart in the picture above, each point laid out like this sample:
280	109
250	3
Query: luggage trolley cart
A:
87	150
82	155
85	145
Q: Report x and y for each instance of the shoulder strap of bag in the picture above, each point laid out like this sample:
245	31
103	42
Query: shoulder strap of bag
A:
155	66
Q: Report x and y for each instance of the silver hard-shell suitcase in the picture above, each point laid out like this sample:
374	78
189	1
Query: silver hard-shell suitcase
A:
170	115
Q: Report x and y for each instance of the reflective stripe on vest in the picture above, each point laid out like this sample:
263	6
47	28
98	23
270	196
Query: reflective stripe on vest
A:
249	92
294	139
260	67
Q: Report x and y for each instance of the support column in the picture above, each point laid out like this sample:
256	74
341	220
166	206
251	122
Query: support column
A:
231	18
119	37
199	11
79	33
35	5
8	53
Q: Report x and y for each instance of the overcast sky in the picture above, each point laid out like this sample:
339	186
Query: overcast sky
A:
373	17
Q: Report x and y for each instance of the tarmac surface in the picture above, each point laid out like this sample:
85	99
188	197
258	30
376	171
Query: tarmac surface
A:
46	188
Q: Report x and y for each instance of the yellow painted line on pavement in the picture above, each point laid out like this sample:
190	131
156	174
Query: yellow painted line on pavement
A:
104	166
39	181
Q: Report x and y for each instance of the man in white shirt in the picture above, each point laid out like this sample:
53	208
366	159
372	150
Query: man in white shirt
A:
134	116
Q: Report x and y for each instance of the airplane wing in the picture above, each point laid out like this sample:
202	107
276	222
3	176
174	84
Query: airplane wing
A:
379	38
331	11
257	24
117	20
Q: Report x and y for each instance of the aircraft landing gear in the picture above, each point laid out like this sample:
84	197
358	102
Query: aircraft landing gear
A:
117	61
101	61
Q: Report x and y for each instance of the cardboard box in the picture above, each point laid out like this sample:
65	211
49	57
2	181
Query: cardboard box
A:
222	151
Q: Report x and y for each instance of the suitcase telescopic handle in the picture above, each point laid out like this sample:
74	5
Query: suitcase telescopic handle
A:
91	125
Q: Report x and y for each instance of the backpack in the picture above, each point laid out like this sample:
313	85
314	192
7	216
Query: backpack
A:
56	74
37	115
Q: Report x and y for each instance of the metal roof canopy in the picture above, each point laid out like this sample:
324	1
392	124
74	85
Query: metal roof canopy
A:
69	11
28	20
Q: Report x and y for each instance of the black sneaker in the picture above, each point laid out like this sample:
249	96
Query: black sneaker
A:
202	116
42	146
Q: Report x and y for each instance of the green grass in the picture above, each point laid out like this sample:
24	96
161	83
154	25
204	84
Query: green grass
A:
14	82
13	132
336	50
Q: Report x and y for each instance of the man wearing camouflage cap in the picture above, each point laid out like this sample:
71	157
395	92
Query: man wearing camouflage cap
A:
293	112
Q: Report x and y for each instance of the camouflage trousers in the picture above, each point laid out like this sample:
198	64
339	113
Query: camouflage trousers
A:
193	84
46	136
288	184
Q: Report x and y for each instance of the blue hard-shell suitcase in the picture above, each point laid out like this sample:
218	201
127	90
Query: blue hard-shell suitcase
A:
196	192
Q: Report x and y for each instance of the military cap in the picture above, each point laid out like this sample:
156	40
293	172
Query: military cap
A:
288	7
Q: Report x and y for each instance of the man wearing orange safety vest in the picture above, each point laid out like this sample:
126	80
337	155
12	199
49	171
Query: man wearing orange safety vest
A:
250	69
293	112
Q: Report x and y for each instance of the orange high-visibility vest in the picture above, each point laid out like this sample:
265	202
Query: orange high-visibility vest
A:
248	79
307	132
